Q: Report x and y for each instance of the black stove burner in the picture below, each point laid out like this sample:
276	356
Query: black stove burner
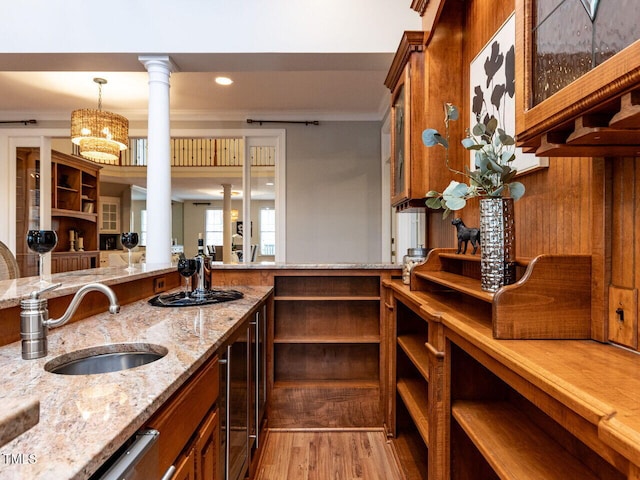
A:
195	299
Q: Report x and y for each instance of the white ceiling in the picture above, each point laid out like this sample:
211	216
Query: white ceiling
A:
267	86
322	86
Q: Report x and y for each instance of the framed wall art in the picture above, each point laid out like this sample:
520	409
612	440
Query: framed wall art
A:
492	90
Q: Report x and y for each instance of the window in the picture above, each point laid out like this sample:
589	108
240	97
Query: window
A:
267	231
213	227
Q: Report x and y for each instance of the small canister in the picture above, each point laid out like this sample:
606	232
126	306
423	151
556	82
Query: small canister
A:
414	256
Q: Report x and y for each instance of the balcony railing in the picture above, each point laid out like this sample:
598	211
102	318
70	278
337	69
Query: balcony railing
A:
199	152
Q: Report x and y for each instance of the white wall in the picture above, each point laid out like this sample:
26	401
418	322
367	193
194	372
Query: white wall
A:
333	193
166	26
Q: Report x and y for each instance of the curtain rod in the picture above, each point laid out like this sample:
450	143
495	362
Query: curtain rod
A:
24	122
306	122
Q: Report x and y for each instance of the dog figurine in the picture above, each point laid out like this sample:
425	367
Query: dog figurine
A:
466	235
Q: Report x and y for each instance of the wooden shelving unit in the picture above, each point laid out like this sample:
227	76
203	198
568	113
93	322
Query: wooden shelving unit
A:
410	427
500	429
326	345
75	190
548	285
513	445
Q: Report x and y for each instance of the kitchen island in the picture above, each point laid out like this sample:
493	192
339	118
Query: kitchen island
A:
84	419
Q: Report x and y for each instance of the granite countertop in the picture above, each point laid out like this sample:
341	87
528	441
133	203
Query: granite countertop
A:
12	291
305	266
85	418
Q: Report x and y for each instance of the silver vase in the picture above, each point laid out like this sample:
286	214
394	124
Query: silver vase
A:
498	243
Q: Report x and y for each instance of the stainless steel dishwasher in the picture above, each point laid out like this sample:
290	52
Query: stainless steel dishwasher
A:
137	461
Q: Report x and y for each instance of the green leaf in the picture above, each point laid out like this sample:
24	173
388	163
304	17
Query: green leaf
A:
494	166
454	203
492	124
479	129
455	189
469	143
434	203
516	190
429	137
497	192
446	213
507	140
482	162
452	112
432	193
507	157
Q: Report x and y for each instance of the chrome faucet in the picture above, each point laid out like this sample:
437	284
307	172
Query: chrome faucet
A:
34	317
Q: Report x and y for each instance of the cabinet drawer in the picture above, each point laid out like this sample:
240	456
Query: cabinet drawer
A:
179	418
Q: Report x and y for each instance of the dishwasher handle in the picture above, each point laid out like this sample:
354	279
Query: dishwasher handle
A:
126	464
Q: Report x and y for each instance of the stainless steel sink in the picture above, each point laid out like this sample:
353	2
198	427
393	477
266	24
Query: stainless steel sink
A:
106	358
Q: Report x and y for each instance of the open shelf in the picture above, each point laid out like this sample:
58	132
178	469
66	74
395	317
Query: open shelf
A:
409	445
527	309
325	287
327	339
327	350
414	395
325	298
466	285
513	445
413	346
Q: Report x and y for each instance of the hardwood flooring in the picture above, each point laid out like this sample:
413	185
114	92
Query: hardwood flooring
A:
327	455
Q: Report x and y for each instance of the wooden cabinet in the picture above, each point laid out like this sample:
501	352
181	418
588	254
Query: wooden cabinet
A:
326	345
419	91
189	421
75	191
206	448
109	215
27	207
70	261
406	82
186	466
578	105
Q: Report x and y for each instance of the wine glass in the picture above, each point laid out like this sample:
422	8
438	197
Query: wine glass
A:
129	240
41	242
187	267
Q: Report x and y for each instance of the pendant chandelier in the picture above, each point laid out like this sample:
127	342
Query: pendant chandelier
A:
100	135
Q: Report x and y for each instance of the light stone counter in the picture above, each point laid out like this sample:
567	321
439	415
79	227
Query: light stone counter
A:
85	418
12	291
305	266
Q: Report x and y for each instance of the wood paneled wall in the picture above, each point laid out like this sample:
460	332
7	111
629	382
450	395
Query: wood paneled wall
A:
565	209
555	215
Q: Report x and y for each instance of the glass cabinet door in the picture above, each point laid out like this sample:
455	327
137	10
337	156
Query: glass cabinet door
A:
398	160
27	206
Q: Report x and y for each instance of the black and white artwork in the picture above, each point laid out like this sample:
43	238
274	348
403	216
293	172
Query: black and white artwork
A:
492	90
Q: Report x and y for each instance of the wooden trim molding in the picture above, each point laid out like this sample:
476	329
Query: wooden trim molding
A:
412	41
419	6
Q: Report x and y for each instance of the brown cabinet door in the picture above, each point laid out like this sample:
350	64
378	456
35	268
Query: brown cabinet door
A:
186	467
206	447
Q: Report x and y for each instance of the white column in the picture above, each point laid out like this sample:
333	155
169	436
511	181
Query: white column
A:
226	223
159	160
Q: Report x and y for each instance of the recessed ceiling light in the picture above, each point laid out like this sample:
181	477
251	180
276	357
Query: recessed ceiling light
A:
223	81
270	184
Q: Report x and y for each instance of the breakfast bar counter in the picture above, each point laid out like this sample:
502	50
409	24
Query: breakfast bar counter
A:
84	419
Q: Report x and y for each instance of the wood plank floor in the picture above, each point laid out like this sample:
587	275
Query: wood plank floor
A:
327	455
